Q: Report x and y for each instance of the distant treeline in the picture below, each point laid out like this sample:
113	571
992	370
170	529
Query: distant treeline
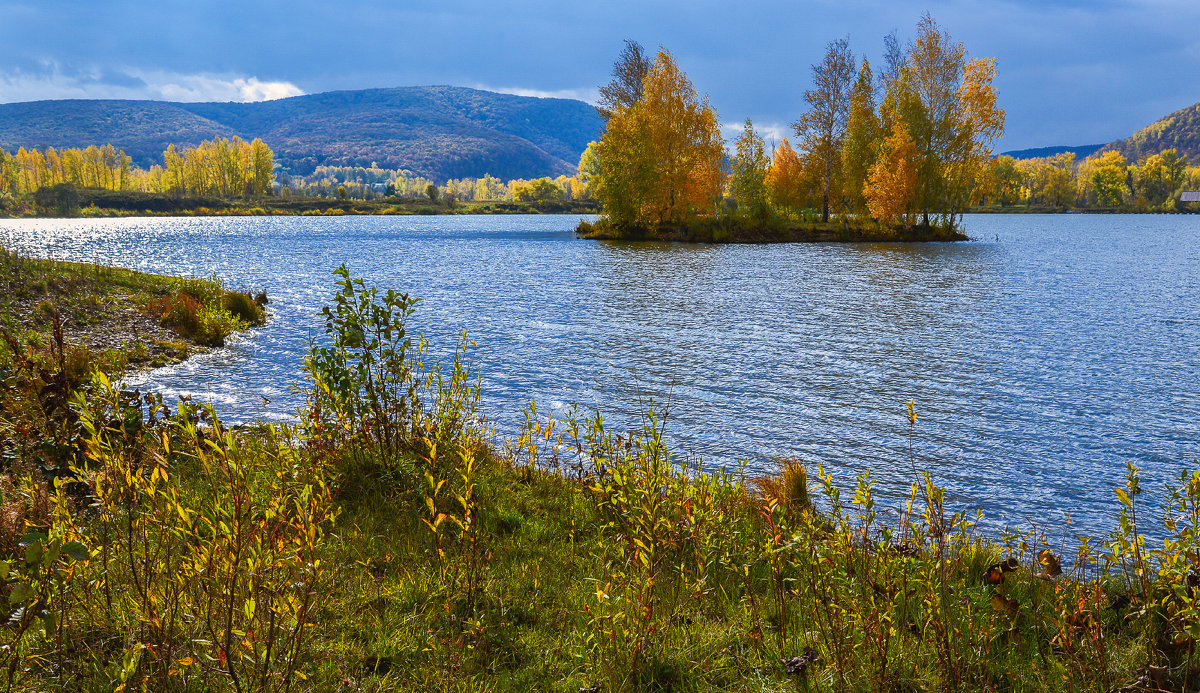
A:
236	169
1105	181
219	168
368	183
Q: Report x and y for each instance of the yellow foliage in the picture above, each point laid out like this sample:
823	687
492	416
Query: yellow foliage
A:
1105	177
94	167
661	160
785	178
892	182
220	167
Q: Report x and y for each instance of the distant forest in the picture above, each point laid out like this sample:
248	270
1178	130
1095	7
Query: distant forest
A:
236	169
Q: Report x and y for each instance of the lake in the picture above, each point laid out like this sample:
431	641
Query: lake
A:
1043	355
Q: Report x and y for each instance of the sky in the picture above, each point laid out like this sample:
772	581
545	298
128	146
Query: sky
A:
1069	72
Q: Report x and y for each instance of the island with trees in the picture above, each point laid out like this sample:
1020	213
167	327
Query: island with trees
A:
898	157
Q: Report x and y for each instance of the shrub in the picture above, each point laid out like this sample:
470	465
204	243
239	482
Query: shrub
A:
206	291
45	310
180	312
205	325
369	386
245	308
215	326
209	561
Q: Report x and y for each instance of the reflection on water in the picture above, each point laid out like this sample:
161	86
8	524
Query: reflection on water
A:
1041	357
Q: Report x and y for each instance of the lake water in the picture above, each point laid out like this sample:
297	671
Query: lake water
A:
1042	356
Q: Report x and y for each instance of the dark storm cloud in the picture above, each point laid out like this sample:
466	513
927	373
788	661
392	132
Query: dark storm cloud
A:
1069	72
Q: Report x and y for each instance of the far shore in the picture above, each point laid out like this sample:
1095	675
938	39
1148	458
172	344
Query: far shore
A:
107	203
94	203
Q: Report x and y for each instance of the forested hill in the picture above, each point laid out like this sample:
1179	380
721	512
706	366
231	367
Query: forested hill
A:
439	132
1081	152
1179	130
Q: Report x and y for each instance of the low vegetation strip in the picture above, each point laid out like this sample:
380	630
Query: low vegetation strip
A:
67	201
382	543
89	315
769	231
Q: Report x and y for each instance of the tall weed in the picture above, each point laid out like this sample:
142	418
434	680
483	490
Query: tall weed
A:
210	545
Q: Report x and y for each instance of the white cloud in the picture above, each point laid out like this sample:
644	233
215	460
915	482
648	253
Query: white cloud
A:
772	133
206	88
53	82
589	94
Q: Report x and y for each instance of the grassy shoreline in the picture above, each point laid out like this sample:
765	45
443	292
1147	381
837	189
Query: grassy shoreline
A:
383	545
97	203
116	318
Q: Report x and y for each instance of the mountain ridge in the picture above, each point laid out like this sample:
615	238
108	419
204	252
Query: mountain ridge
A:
435	131
1081	152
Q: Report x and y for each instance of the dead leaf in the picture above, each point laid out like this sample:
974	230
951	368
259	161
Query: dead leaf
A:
1004	605
1050	563
798	665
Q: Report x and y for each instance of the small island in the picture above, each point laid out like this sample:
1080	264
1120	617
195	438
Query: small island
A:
720	231
904	169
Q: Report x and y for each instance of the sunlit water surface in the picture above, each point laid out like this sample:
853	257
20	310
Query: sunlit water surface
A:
1042	356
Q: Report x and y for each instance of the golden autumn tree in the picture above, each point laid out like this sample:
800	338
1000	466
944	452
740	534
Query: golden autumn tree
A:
8	173
785	178
978	123
1056	184
221	167
942	102
891	186
1158	176
1005	178
932	72
261	167
1107	176
31	169
948	107
661	160
103	167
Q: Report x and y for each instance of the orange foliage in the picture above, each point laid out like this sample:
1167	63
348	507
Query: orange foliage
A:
785	178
